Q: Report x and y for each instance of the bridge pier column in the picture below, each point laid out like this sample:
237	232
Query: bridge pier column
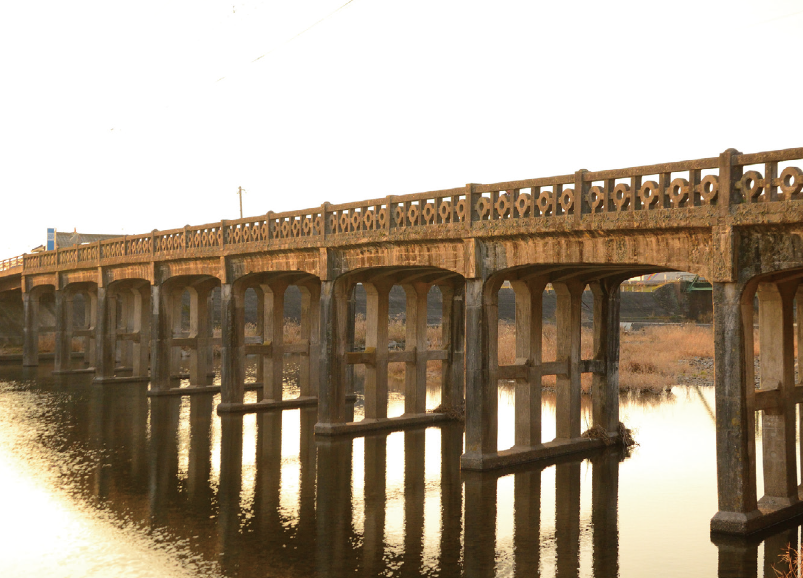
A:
332	368
161	337
351	319
481	390
174	313
605	384
273	381
201	332
310	333
415	374
64	323
140	325
376	340
90	314
453	337
776	337
30	350
125	325
735	404
232	365
567	386
105	335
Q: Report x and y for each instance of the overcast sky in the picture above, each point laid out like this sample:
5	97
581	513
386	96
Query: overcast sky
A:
127	117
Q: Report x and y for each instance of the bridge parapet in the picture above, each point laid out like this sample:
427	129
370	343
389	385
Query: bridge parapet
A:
11	263
670	195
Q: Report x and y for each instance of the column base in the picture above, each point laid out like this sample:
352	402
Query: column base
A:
267	405
522	455
122	379
766	515
69	371
358	428
196	389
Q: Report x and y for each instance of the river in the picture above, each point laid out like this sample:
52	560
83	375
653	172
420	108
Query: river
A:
104	481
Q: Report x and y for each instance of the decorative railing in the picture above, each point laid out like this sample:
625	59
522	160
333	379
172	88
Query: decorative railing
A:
6	264
750	178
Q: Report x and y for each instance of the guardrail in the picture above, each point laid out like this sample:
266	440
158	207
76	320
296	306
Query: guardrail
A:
749	178
10	263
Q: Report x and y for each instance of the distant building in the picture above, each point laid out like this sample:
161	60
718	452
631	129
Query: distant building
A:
59	240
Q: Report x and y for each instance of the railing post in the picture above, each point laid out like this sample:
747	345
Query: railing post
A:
270	226
389	218
580	194
222	233
325	219
471	201
729	175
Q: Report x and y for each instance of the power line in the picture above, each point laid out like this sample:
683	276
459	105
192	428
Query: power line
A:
288	41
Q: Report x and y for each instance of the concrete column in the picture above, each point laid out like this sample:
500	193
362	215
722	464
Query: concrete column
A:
567	519
30	350
799	323
735	427
141	325
415	374
90	310
310	332
273	296
105	334
201	331
776	335
482	412
375	504
351	318
605	511
453	326
232	363
161	337
125	324
332	367
605	386
567	386
175	312
63	307
527	523
376	340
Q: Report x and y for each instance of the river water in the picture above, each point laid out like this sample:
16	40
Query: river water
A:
104	481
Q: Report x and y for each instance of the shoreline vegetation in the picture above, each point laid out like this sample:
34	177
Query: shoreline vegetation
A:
651	360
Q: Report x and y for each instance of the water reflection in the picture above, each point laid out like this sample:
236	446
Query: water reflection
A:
259	495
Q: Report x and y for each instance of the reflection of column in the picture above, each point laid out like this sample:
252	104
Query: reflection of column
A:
567	387
414	454
269	472
733	375
453	337
200	460
567	519
232	355
333	509
228	498
737	557
776	335
375	503
527	523
451	494
605	386
776	546
163	456
604	512
307	458
480	534
481	390
376	340
415	374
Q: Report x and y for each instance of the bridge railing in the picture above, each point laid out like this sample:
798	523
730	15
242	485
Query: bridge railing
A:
10	263
753	178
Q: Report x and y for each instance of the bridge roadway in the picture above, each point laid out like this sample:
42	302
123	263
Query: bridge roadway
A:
735	219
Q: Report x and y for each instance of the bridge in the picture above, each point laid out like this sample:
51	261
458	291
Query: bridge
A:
735	219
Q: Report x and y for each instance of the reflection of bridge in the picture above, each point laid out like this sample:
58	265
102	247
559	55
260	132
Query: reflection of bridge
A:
734	219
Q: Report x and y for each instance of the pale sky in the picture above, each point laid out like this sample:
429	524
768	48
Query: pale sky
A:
127	117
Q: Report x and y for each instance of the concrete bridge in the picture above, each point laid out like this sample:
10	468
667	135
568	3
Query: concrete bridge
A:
735	219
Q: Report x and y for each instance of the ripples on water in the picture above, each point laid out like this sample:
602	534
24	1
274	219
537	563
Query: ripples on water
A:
103	481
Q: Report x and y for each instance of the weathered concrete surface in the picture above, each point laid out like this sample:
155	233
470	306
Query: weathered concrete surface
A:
735	219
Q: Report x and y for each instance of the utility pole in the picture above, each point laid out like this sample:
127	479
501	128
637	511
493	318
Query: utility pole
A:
240	192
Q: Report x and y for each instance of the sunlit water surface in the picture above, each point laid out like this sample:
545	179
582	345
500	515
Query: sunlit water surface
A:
103	481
